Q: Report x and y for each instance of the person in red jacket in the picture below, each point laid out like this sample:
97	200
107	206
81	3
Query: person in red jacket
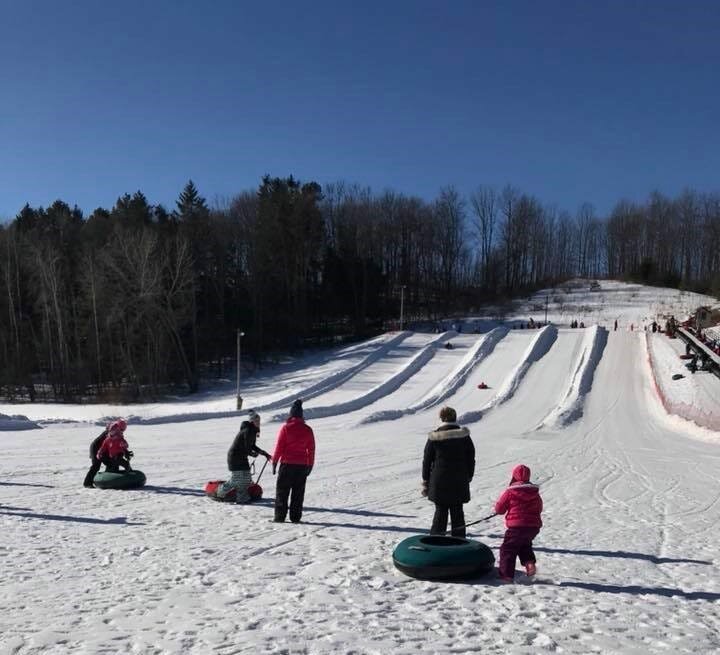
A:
295	452
114	451
522	505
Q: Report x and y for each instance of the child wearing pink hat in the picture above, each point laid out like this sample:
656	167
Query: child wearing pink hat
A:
522	505
114	451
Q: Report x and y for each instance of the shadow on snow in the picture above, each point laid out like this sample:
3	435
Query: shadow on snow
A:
638	590
356	512
335	510
180	491
26	484
621	554
120	520
358	526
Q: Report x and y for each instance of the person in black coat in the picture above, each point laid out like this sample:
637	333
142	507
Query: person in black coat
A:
96	463
447	468
243	446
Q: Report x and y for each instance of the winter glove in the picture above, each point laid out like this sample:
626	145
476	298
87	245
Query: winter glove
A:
129	454
308	470
424	488
268	456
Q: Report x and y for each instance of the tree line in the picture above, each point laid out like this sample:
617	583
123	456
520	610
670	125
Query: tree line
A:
131	302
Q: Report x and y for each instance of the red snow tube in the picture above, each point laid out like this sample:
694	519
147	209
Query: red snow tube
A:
211	487
255	491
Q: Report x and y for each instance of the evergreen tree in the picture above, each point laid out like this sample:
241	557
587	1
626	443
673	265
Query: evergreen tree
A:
191	205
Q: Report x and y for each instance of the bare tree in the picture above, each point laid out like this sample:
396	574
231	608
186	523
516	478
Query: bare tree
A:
584	221
450	240
485	203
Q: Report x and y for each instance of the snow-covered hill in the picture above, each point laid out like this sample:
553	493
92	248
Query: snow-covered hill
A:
627	556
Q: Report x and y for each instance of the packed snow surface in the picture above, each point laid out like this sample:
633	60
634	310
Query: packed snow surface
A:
627	558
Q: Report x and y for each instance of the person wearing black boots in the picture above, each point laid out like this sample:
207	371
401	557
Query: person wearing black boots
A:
447	468
295	453
243	446
96	463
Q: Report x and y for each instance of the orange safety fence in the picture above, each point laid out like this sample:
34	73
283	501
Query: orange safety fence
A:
703	418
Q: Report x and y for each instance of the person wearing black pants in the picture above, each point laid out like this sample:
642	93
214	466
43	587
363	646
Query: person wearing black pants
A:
440	520
290	484
295	452
447	468
96	463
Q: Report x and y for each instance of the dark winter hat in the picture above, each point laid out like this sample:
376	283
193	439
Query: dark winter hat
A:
521	473
296	411
253	415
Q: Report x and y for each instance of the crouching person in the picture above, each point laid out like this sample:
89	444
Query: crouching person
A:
243	446
114	451
295	453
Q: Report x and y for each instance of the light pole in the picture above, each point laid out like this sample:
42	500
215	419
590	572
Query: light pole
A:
402	305
240	335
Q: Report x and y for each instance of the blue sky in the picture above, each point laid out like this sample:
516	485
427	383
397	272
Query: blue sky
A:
571	102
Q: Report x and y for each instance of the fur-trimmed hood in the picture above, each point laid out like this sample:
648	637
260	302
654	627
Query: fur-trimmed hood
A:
523	485
448	431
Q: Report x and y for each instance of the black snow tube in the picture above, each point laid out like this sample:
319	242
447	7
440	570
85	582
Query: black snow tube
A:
436	557
120	480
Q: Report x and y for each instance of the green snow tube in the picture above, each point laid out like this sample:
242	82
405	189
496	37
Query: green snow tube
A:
435	557
121	480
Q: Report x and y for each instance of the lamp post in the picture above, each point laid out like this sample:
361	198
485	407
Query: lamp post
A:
240	335
402	305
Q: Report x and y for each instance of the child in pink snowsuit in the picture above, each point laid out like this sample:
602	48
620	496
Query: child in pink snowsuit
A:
114	451
522	505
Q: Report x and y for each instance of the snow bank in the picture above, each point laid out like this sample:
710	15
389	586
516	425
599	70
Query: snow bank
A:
453	381
335	380
381	390
327	383
17	422
183	417
537	349
571	407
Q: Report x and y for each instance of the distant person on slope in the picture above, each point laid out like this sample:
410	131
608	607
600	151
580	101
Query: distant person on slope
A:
295	453
114	451
522	505
243	446
447	468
